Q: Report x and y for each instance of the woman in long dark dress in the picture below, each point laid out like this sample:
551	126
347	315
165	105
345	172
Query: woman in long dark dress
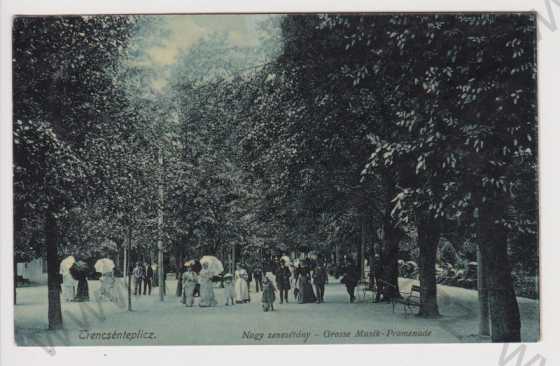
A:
82	293
306	294
350	279
79	271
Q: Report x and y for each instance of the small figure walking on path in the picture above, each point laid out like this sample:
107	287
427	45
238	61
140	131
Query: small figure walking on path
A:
268	295
229	291
319	280
190	280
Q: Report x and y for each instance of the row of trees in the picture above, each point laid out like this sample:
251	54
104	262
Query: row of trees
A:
423	124
64	104
106	164
341	134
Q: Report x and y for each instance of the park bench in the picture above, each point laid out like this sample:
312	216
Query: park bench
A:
21	281
409	300
363	287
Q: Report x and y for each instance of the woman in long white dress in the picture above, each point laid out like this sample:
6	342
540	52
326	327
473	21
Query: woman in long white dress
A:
190	279
107	285
241	288
207	296
68	284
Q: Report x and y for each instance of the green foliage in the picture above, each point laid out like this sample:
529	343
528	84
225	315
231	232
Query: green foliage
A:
276	148
65	107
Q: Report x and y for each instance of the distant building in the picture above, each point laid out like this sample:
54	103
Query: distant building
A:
34	270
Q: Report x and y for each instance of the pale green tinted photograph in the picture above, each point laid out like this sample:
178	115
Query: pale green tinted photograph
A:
257	179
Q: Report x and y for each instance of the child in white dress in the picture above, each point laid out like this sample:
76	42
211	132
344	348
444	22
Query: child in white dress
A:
229	290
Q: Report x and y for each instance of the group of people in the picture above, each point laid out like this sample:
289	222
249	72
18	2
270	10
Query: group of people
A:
200	283
74	285
303	278
307	279
74	290
142	274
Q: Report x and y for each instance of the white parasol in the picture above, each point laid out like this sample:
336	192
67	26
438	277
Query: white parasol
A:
214	264
190	262
65	264
412	265
104	265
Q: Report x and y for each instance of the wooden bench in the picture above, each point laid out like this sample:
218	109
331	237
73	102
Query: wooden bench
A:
364	286
20	281
409	300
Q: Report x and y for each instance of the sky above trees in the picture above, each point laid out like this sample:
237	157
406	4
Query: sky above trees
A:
166	37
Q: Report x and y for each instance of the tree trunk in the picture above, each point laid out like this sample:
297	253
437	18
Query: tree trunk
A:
371	264
55	309
337	255
428	239
363	240
482	284
51	224
118	257
161	270
179	260
392	237
504	311
390	262
18	223
15	277
233	257
128	276
125	262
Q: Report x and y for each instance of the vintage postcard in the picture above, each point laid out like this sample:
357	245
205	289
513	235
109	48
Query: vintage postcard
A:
250	179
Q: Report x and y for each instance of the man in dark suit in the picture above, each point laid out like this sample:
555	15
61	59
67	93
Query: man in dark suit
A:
148	279
138	274
258	276
319	280
283	281
350	279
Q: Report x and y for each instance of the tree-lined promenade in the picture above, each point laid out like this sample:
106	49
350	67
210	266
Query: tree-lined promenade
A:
373	137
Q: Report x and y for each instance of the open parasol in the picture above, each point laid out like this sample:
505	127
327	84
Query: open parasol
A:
189	263
412	266
79	269
66	263
285	259
214	264
194	264
104	265
313	255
